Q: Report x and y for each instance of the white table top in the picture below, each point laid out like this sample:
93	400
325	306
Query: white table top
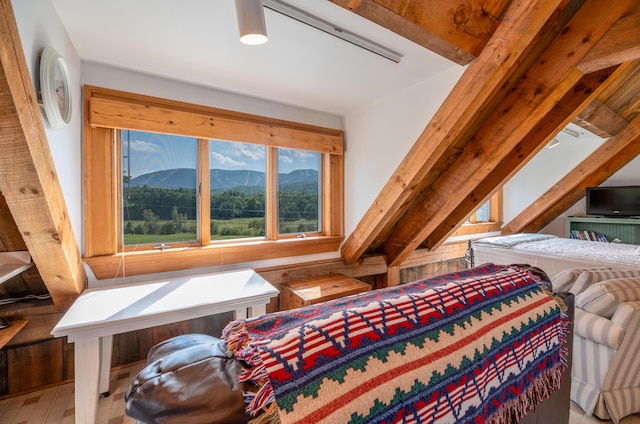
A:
121	308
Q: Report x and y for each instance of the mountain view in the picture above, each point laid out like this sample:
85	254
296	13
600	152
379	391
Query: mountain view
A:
221	180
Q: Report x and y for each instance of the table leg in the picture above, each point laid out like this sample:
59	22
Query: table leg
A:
87	365
240	313
106	344
255	311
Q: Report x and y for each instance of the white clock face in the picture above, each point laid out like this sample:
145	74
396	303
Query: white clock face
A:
59	85
55	89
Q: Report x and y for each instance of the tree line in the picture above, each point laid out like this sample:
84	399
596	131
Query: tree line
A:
180	204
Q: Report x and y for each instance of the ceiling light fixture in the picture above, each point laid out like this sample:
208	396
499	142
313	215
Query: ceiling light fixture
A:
571	132
315	22
553	143
253	30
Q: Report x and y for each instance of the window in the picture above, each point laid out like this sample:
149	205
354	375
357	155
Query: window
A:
485	219
299	192
171	186
238	190
158	188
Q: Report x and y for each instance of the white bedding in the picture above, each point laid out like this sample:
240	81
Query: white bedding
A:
553	254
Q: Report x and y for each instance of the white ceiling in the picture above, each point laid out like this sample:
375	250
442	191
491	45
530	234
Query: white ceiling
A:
197	41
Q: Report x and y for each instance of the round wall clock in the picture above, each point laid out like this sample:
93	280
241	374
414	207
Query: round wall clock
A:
55	88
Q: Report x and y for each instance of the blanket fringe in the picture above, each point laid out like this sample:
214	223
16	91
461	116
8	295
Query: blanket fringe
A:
244	348
541	389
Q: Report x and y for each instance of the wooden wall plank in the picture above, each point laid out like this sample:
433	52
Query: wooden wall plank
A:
131	347
34	365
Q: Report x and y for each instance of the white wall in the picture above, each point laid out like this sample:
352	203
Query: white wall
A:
39	27
379	136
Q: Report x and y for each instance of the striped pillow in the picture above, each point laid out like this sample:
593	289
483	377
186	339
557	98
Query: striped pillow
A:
563	280
604	297
588	278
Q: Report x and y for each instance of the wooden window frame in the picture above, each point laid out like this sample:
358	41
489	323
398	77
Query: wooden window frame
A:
494	224
107	111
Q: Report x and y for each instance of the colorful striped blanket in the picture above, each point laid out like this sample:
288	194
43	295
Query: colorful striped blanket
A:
483	345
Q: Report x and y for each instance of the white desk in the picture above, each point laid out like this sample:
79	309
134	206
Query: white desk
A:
98	314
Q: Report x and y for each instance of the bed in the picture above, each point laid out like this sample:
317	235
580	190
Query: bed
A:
554	254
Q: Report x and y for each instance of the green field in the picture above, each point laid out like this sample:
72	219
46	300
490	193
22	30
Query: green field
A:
222	229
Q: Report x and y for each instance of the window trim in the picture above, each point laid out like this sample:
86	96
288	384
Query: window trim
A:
494	224
107	111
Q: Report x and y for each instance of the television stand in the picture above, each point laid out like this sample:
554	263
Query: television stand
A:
627	229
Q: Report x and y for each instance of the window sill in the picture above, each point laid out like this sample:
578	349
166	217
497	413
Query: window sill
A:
175	259
485	227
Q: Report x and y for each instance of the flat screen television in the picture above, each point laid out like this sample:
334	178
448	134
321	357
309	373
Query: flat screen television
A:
613	201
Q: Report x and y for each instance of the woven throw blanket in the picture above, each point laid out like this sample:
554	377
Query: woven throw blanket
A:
482	345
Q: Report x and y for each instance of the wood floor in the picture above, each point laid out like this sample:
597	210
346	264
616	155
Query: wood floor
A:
55	405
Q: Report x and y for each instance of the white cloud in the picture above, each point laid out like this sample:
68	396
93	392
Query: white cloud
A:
286	159
143	146
250	151
226	160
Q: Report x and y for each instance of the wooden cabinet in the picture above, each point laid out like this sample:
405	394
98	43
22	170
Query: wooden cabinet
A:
626	230
316	290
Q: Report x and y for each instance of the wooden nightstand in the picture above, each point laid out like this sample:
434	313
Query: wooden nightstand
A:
316	290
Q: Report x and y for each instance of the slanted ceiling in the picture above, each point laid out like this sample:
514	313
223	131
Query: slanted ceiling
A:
533	66
536	65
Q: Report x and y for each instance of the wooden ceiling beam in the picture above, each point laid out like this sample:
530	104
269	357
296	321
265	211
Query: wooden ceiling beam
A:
483	79
599	119
10	237
550	77
457	31
620	44
28	178
610	157
583	92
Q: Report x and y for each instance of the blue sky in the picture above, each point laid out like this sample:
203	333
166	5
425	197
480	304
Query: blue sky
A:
151	152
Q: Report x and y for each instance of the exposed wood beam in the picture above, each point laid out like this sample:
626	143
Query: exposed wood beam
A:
595	169
28	178
10	237
621	44
547	80
457	31
584	91
486	76
600	120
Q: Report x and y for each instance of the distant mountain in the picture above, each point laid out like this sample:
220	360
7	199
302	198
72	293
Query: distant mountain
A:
243	180
171	178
